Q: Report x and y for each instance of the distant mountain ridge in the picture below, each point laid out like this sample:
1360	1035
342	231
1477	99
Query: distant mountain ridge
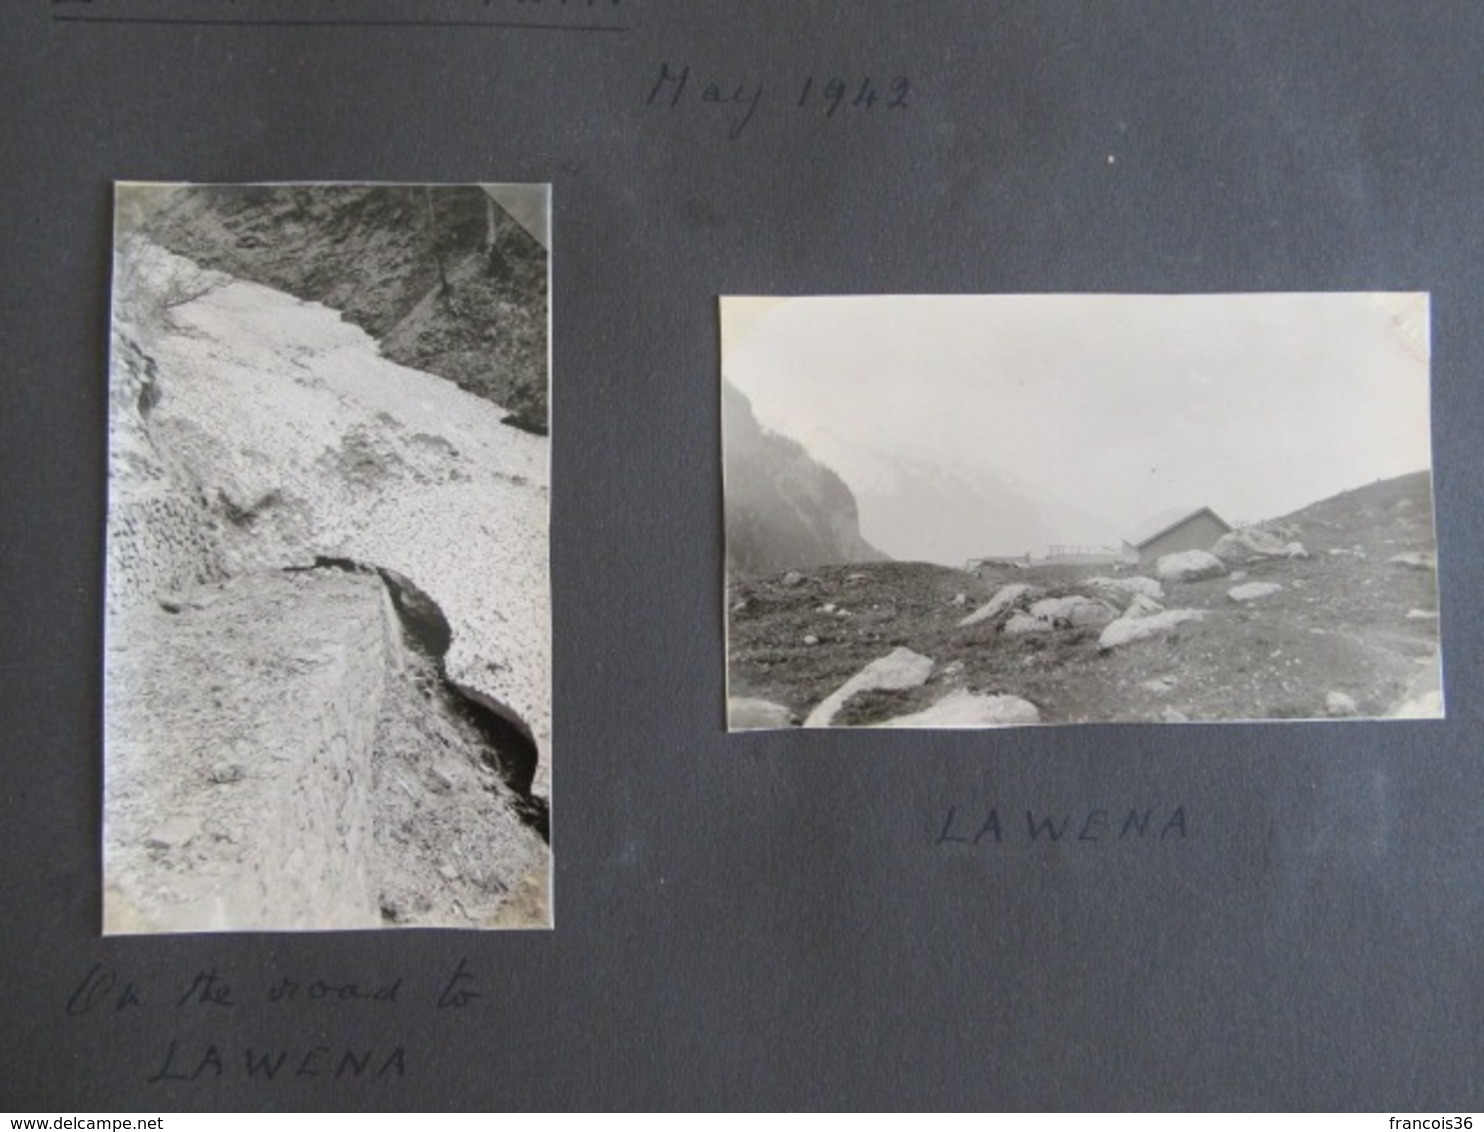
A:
784	509
917	510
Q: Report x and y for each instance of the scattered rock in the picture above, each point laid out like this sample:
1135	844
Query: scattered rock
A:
448	872
1125	589
173	833
1006	597
1073	612
1170	715
223	773
1338	704
1415	560
901	668
1142	606
1248	545
1422	615
969	709
1429	705
1023	624
747	714
1127	630
1423	698
1253	591
1189	566
1159	686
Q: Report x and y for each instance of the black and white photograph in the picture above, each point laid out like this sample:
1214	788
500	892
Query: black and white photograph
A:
327	691
996	510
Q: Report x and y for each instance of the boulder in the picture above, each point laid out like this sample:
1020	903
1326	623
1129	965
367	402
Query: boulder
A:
1006	597
969	709
1253	591
901	668
1189	566
791	579
1248	545
1023	624
1127	630
1124	590
1423	697
747	714
1142	606
1428	705
1073	612
1295	550
1415	560
1338	704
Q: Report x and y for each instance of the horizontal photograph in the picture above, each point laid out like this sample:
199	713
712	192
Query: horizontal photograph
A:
327	689
968	511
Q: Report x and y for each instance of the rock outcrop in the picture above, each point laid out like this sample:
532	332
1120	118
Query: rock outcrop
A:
443	277
783	508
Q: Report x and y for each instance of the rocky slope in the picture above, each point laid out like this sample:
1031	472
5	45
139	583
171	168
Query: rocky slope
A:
1329	612
320	563
783	508
442	277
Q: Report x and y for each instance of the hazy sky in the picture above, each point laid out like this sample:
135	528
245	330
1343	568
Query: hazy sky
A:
1123	406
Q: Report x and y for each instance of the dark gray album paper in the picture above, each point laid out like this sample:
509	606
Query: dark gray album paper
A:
453	448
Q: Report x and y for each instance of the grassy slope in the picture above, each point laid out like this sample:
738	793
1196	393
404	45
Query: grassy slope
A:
1339	624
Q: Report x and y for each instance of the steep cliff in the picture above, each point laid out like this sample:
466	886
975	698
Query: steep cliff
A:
783	508
442	277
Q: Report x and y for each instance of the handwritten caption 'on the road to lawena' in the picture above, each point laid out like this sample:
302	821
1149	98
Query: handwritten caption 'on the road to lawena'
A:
102	992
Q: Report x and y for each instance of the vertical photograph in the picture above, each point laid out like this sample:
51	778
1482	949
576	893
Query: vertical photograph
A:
997	510
327	687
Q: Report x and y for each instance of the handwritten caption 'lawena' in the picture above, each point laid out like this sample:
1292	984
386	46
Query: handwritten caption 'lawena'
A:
102	992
